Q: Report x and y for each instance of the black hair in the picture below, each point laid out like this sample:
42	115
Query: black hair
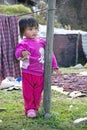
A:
27	22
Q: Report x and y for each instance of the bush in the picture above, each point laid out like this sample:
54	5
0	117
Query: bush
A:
14	9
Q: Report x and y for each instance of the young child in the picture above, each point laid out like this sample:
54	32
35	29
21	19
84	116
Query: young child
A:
31	51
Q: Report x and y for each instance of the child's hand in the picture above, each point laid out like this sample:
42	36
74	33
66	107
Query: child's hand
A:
56	71
25	54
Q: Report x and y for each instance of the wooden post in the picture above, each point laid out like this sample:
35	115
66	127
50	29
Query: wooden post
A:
48	57
77	43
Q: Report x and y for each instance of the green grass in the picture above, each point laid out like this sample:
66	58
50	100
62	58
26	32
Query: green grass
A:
62	116
73	70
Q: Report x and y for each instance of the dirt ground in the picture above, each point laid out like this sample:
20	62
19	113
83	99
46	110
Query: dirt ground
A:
71	82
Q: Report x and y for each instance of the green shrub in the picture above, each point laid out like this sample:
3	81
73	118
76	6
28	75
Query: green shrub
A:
14	9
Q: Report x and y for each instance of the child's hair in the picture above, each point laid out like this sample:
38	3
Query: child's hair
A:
26	22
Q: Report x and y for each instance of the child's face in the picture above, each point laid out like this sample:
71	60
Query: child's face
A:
31	32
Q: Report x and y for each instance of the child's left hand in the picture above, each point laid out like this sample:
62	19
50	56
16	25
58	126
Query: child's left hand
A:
56	71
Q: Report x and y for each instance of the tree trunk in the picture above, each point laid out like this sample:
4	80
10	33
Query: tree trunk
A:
48	56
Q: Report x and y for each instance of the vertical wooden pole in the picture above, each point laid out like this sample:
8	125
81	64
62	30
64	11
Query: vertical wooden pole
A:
77	43
48	57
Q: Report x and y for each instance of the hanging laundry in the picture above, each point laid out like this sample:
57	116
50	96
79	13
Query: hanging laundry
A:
9	66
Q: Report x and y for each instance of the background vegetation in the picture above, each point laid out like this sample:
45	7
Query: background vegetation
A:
73	13
20	9
14	9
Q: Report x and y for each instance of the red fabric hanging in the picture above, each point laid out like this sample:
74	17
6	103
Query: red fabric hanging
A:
9	66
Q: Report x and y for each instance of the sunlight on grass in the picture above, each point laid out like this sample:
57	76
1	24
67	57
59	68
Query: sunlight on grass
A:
73	70
62	116
64	111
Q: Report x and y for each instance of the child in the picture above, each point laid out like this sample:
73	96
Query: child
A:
31	51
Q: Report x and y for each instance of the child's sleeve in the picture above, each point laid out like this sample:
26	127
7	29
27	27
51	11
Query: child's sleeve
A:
54	62
18	51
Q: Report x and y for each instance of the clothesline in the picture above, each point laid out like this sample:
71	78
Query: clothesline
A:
9	66
37	11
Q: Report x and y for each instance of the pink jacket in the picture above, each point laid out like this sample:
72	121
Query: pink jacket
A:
34	64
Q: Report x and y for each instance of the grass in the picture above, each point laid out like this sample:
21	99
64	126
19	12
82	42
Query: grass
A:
73	70
62	115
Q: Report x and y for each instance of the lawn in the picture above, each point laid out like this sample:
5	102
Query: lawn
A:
62	114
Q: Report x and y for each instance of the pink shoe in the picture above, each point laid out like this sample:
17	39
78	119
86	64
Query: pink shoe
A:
31	113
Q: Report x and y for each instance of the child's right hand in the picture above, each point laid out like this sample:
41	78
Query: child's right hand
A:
25	54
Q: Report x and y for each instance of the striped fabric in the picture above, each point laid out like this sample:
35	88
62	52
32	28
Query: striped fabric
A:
9	66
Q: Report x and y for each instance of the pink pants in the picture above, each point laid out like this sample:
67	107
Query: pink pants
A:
32	91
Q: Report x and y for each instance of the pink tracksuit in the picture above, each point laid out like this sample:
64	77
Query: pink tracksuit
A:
33	71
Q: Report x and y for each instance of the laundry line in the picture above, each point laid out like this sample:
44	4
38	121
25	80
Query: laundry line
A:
35	12
9	66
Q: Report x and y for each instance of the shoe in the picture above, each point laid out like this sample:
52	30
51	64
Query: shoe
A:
31	113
